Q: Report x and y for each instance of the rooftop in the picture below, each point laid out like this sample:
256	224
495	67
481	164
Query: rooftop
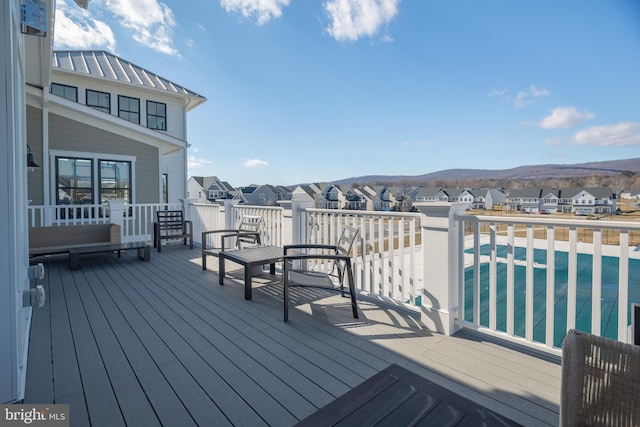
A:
160	342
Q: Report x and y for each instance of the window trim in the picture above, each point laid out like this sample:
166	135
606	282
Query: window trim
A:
128	111
164	128
95	157
97	107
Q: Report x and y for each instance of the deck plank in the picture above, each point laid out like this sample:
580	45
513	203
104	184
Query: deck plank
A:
171	346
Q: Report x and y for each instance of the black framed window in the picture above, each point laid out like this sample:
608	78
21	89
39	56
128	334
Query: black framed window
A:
99	100
69	92
129	109
74	181
114	180
156	115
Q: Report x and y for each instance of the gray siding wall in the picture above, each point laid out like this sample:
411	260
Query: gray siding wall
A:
69	135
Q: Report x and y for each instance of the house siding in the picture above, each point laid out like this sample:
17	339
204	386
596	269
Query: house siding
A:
69	135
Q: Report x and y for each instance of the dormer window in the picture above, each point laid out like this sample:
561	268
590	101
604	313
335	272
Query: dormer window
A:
129	109
99	100
156	115
68	92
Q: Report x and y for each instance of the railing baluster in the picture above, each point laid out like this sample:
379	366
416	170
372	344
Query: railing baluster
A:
572	279
623	287
493	292
596	279
510	279
551	286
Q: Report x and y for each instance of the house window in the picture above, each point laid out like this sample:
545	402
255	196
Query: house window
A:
129	109
74	181
92	178
165	188
68	92
115	180
156	115
99	100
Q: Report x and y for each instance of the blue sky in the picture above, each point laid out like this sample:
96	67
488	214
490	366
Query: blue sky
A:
303	91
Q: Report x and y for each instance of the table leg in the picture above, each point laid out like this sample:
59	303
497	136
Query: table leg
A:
247	281
220	270
74	261
272	268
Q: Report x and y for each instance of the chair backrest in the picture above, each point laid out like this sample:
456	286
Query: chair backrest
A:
346	240
600	381
251	224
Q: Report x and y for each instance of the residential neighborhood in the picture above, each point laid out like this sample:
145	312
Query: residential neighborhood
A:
577	201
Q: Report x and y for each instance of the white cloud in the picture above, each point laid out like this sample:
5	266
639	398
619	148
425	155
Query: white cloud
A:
255	163
564	117
353	19
524	98
75	29
151	21
616	135
262	10
194	162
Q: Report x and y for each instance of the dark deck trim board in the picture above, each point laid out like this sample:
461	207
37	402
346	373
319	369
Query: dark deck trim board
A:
161	343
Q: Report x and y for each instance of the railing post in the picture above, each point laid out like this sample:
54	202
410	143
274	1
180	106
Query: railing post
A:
441	265
187	205
116	215
298	220
229	220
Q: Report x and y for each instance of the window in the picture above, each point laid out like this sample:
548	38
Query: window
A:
165	188
115	180
99	100
69	92
129	109
74	180
156	115
92	178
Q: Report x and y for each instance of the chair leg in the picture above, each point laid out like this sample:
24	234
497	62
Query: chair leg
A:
352	290
285	291
204	261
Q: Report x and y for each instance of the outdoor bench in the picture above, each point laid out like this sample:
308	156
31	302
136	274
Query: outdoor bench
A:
58	239
82	239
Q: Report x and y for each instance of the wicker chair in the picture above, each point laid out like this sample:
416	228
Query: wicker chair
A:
600	381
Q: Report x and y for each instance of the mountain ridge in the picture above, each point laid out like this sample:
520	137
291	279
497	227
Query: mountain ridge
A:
524	173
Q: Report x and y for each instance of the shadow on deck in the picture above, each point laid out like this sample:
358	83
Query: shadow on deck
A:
126	342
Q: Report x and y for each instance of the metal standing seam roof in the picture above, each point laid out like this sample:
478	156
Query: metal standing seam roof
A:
102	64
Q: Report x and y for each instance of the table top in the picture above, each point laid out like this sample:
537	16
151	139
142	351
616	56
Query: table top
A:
254	254
398	397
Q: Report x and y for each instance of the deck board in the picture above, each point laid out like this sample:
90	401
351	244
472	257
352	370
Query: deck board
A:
161	342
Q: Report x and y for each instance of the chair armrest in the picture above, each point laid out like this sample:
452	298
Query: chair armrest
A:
188	226
335	257
310	246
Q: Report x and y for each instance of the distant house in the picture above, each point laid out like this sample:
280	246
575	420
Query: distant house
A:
525	200
493	198
385	200
195	189
263	195
594	200
331	198
432	194
355	200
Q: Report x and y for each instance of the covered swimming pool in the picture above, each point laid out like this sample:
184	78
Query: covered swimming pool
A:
609	301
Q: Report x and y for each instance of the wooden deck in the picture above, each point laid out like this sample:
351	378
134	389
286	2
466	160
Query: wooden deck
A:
126	342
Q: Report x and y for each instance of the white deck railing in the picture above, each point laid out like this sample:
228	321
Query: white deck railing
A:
536	278
271	232
137	223
507	284
386	256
